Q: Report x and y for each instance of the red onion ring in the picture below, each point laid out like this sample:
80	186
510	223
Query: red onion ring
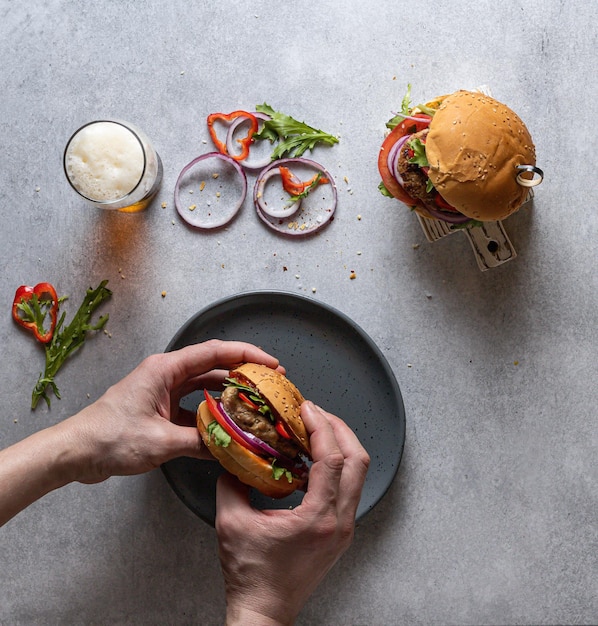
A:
414	119
303	222
194	218
393	159
230	142
259	447
447	216
256	445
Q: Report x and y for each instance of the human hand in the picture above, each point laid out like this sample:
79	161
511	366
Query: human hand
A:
137	424
273	560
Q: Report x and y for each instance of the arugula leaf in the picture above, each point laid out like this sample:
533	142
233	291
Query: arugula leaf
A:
419	157
252	395
465	225
384	191
218	434
294	137
278	472
306	191
426	109
405	110
66	341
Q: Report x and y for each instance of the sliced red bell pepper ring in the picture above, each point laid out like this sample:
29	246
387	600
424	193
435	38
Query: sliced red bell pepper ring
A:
30	297
245	142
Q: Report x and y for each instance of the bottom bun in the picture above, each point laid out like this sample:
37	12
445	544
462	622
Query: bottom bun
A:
245	465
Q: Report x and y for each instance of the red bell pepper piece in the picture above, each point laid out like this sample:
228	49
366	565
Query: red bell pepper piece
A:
250	403
213	407
27	310
281	429
245	142
295	187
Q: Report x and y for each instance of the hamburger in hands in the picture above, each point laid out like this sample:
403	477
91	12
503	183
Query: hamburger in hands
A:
463	158
255	430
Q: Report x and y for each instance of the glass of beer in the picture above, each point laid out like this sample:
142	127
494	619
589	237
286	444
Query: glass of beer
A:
113	165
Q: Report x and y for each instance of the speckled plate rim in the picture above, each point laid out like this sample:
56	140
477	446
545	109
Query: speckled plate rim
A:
179	472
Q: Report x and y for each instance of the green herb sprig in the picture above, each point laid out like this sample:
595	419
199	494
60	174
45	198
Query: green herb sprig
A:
294	137
66	340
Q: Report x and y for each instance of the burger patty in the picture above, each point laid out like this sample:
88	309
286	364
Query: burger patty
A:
414	178
254	422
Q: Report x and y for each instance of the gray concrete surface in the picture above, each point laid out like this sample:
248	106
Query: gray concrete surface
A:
492	517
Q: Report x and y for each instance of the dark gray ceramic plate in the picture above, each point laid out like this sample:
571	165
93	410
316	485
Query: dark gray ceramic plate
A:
330	359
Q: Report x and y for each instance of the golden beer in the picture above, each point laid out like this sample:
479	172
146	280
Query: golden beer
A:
113	165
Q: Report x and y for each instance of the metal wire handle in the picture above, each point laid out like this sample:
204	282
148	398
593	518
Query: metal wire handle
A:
537	178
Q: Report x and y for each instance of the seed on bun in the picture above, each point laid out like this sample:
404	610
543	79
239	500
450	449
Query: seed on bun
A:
256	431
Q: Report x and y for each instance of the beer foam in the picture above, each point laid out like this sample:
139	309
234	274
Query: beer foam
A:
104	161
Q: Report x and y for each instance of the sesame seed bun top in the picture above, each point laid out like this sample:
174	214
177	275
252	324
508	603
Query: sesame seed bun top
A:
473	148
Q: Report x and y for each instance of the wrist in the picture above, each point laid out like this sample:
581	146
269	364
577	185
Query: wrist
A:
243	616
78	447
32	468
64	454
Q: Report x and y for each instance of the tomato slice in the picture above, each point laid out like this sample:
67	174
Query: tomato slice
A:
406	127
213	406
443	204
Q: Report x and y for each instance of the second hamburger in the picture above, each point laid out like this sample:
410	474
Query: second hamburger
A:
462	158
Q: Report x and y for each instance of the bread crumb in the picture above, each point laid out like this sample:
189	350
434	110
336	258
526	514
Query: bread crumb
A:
352	275
163	294
164	205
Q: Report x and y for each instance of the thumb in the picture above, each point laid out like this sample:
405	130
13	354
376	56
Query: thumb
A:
232	498
186	441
